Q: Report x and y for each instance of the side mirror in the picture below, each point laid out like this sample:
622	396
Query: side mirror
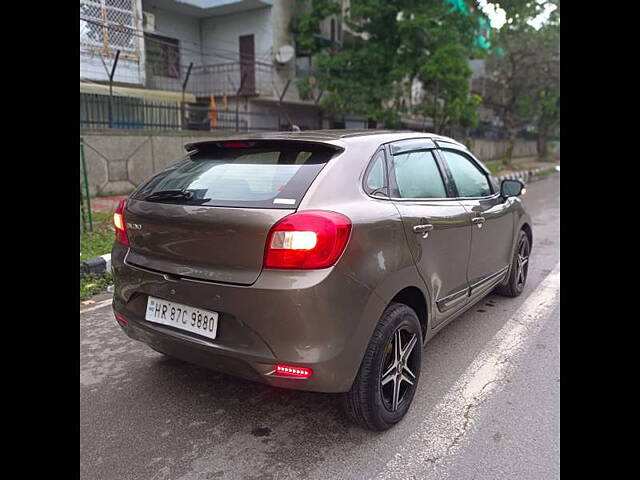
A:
511	188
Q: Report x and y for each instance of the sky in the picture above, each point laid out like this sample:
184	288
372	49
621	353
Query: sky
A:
497	15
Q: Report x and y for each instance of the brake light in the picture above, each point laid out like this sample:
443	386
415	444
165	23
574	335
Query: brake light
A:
121	319
120	225
307	240
235	144
289	371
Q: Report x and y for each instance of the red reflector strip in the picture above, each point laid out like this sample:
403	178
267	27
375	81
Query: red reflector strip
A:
234	144
289	371
121	319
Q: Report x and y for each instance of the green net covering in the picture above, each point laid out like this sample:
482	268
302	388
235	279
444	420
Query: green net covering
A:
459	5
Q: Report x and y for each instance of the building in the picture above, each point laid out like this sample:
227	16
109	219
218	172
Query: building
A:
197	64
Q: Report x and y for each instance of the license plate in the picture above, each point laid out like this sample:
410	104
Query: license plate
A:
184	317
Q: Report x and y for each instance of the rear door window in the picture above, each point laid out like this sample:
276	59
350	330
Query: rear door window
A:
417	175
258	174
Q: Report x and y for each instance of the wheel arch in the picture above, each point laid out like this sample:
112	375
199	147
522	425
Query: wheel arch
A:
529	232
406	286
414	298
524	224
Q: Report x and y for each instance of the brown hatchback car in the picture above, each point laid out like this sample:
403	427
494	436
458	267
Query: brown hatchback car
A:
316	260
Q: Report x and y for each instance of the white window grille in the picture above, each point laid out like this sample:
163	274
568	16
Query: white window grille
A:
110	25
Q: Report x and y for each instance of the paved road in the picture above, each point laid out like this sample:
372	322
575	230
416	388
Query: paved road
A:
487	406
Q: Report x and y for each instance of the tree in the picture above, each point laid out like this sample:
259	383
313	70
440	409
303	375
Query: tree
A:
445	77
526	76
548	119
548	95
373	75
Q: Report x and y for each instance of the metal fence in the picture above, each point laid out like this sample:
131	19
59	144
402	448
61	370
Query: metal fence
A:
141	113
86	221
219	79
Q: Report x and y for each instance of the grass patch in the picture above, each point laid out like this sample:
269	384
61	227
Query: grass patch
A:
497	168
100	218
544	173
93	244
92	284
96	243
494	167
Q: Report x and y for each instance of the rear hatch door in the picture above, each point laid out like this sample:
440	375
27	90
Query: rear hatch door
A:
208	216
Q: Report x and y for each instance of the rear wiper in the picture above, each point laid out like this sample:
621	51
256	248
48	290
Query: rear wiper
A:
183	194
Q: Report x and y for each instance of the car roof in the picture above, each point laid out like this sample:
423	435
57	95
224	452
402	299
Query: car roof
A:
335	137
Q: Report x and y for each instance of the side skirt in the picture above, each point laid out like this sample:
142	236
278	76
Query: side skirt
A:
477	292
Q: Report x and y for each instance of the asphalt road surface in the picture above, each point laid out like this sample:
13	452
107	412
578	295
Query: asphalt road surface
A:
487	406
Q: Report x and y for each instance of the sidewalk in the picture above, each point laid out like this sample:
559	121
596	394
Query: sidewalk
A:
519	164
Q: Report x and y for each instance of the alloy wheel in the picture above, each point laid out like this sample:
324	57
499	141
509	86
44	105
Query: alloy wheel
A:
522	263
399	365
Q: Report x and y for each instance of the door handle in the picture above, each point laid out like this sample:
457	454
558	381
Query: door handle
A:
424	229
478	221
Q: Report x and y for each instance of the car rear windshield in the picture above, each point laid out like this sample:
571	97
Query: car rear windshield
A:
258	174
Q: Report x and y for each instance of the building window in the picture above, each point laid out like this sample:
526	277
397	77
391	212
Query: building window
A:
162	56
109	25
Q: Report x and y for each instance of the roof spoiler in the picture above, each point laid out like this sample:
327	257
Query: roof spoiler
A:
194	147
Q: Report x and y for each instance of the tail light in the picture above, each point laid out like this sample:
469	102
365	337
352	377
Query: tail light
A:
120	225
307	240
290	371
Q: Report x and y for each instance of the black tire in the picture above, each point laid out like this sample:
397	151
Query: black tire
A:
515	283
369	403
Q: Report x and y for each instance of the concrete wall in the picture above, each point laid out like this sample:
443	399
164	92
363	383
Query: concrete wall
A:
305	116
486	149
117	161
127	71
184	28
220	34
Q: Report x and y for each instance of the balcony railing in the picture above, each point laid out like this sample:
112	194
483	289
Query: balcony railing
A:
220	79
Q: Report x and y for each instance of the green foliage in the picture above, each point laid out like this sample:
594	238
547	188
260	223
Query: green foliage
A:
93	244
358	81
96	243
308	24
394	41
469	115
305	88
445	77
92	284
527	90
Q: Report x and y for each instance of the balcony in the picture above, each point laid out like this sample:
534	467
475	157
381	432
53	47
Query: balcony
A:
220	79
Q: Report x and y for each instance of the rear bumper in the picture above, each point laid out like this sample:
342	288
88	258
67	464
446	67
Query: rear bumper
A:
319	319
